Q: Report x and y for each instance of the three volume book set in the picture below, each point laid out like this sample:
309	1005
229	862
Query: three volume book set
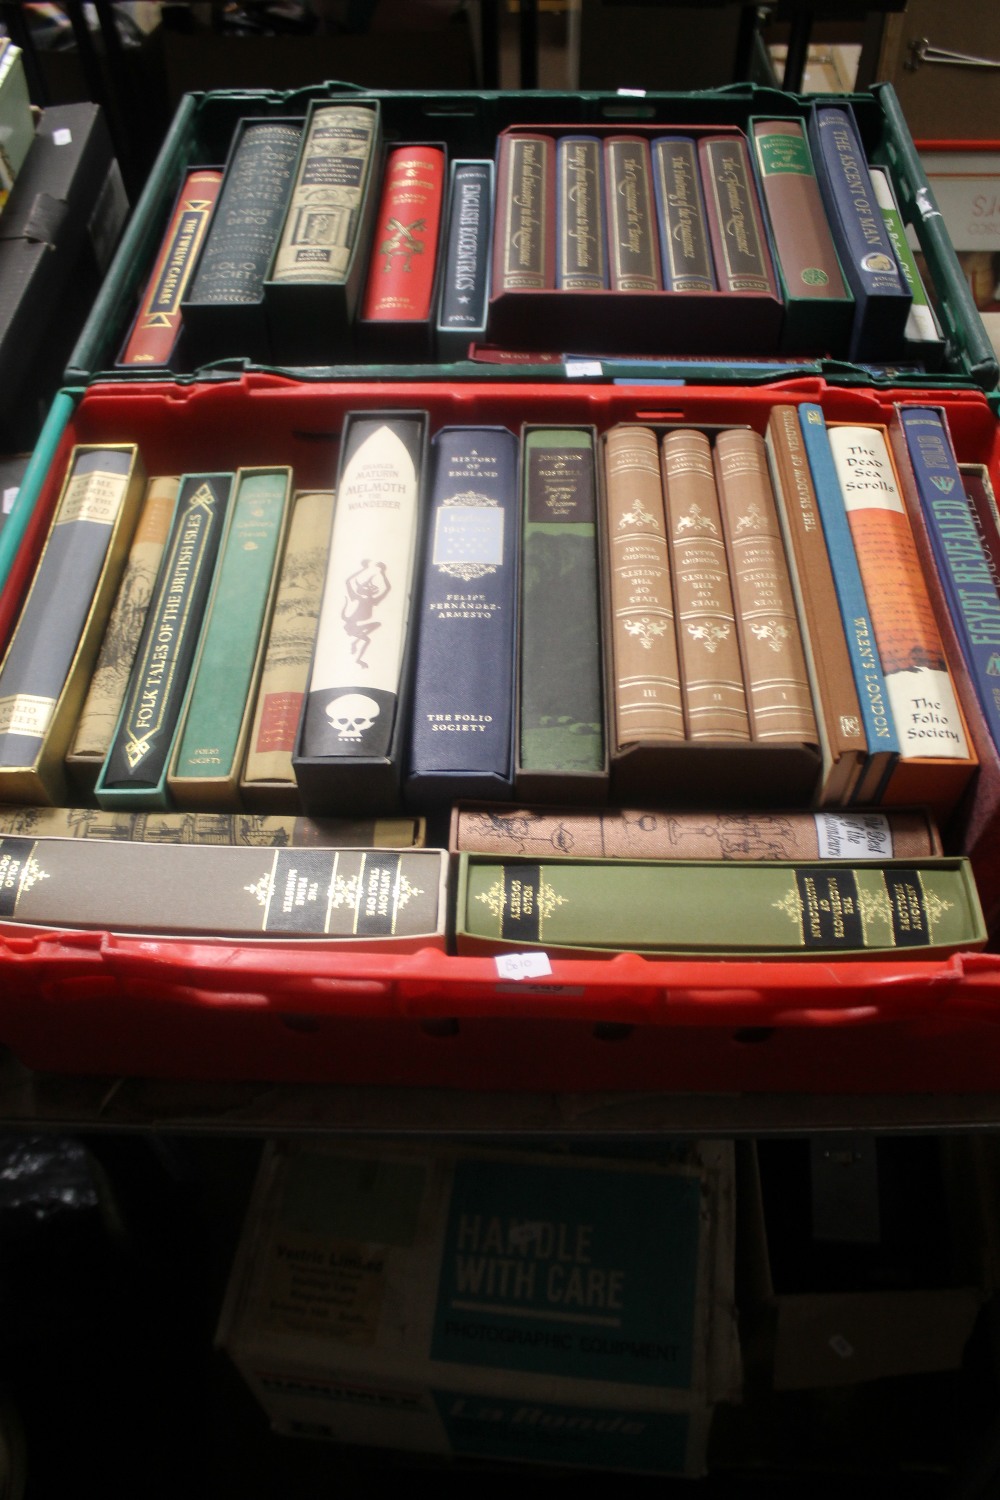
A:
316	241
653	617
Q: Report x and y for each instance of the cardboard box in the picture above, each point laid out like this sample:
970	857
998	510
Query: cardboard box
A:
489	1304
57	235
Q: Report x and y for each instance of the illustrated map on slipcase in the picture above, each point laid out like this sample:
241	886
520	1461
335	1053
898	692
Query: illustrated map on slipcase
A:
489	1304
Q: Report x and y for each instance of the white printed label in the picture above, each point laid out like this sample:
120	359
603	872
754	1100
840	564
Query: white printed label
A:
523	965
853	835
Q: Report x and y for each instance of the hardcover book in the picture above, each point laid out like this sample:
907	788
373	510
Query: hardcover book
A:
819	306
581	241
774	667
838	712
103	703
268	781
250	830
647	702
223	310
381	898
685	250
561	739
403	266
826	910
648	833
922	334
524	226
715	701
354	712
882	298
859	632
155	333
465	281
462	714
736	227
134	770
214	727
935	759
51	655
633	242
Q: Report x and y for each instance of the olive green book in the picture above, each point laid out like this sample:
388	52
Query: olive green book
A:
213	734
767	909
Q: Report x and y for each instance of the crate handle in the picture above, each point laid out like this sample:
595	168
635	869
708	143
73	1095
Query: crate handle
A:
923	51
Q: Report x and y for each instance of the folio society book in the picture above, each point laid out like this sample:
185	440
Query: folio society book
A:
378	898
678	833
223	310
465	280
48	664
828	910
633	241
103	702
135	768
838	711
349	749
735	224
157	328
524	226
819	307
462	710
250	830
403	266
936	760
882	298
581	238
268	781
685	250
560	736
922	335
214	728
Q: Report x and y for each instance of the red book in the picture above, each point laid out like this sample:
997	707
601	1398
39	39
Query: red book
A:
404	249
158	323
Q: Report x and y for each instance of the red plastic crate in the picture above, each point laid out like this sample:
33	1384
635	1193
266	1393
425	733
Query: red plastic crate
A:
172	1008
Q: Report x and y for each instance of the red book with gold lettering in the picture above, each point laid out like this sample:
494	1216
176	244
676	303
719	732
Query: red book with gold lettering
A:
157	325
404	253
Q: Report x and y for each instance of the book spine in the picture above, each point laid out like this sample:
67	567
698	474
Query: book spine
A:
644	663
774	667
685	249
581	242
139	752
524	229
750	908
328	191
634	251
921	323
465	282
407	226
647	833
561	701
859	632
983	508
290	640
210	736
963	565
157	326
711	670
462	705
865	250
243	828
354	681
835	697
735	224
371	894
921	692
55	612
103	703
799	226
248	215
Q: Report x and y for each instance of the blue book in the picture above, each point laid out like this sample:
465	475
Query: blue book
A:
869	682
465	279
685	246
462	717
963	564
882	295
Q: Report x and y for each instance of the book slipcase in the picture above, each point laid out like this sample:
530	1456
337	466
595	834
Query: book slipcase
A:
219	1009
